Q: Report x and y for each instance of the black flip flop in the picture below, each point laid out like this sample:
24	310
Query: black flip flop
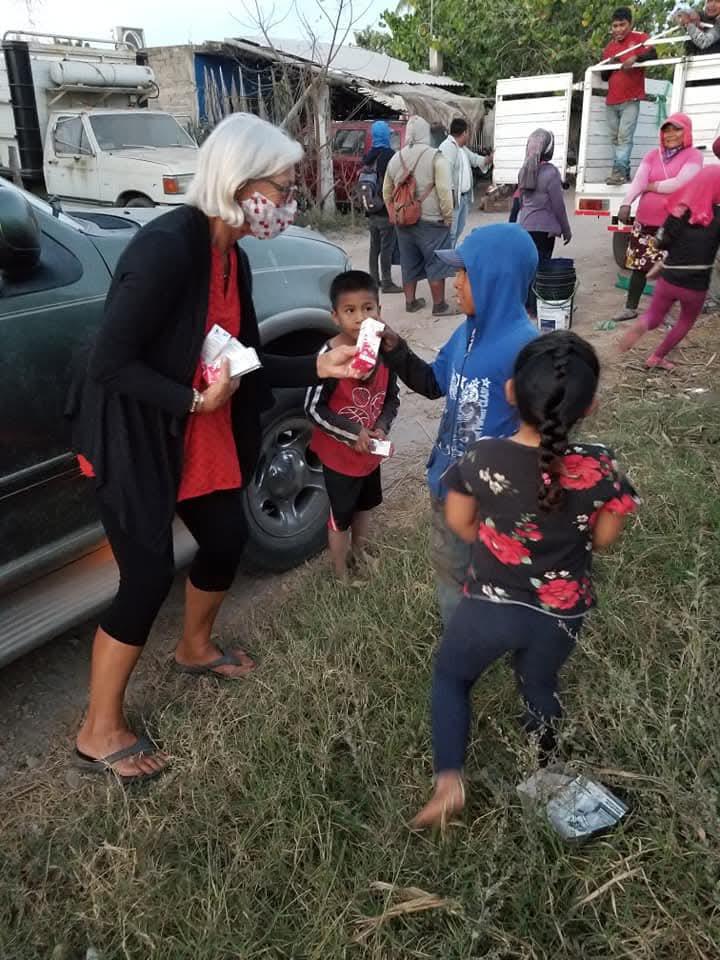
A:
104	765
204	669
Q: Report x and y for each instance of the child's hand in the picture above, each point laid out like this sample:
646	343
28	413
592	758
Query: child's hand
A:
362	444
378	434
389	340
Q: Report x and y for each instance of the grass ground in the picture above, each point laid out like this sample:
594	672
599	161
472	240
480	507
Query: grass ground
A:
281	831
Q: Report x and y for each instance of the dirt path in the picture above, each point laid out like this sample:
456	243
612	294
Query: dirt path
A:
42	694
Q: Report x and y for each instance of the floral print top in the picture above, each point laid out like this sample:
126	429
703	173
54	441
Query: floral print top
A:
524	555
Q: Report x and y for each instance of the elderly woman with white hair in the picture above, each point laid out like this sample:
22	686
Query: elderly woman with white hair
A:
159	440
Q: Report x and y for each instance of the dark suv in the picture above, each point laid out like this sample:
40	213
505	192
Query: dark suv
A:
55	567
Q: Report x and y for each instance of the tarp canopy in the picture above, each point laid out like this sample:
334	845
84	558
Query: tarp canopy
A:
434	104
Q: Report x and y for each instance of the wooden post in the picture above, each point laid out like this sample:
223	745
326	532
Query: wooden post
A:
326	176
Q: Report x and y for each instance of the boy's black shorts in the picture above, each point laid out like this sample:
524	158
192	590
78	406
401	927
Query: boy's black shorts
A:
351	495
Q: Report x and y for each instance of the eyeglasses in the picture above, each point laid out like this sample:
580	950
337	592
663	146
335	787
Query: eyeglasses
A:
286	190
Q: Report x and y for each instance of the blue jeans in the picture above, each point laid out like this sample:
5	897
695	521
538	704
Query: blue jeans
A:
622	119
450	557
480	633
460	216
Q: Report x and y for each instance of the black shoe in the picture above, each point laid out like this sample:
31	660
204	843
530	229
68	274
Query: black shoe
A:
444	310
417	304
391	287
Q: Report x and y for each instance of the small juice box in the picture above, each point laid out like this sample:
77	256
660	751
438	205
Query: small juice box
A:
368	347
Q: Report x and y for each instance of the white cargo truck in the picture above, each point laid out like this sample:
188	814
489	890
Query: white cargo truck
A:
694	89
555	102
75	123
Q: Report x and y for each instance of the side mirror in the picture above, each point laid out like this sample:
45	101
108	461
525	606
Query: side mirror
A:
19	235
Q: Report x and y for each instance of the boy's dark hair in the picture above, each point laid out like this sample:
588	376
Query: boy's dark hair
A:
556	377
458	126
622	13
353	281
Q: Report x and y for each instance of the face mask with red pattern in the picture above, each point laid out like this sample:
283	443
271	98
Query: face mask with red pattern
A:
266	219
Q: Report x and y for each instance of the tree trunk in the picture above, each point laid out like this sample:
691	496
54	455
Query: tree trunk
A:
326	177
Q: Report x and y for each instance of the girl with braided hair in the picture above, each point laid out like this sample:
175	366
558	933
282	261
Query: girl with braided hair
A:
533	507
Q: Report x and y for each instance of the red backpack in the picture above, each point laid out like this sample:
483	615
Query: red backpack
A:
405	207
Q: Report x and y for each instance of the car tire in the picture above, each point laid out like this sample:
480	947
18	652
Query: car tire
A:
620	244
285	503
139	202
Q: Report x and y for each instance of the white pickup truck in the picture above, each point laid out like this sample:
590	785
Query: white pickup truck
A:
75	124
557	103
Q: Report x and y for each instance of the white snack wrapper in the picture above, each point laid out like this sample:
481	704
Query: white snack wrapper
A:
220	345
381	448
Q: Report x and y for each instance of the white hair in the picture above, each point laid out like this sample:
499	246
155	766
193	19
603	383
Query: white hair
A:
241	148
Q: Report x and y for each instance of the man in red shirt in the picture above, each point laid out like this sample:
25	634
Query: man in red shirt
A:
626	88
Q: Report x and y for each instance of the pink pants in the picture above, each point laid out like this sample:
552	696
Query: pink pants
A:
665	295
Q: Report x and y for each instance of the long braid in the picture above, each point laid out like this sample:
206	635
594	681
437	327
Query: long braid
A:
554	430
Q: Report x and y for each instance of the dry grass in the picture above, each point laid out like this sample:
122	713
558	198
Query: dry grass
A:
281	831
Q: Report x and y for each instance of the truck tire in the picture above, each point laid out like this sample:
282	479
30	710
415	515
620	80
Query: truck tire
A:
285	503
139	202
620	244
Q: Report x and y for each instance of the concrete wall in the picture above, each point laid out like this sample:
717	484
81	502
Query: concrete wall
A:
174	70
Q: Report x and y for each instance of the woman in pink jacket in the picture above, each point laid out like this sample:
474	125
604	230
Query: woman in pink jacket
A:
663	171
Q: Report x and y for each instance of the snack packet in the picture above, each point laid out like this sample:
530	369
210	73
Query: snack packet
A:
368	347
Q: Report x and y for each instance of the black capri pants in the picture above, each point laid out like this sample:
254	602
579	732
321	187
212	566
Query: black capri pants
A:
218	524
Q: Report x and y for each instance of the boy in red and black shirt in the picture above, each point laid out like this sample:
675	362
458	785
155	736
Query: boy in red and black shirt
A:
348	414
626	88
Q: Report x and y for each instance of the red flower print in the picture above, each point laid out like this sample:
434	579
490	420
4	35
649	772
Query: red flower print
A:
560	594
621	505
529	531
504	548
580	473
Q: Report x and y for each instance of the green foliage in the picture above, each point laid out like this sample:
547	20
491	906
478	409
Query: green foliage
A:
484	40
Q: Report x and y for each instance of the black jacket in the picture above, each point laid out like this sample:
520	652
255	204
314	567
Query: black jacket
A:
130	402
689	245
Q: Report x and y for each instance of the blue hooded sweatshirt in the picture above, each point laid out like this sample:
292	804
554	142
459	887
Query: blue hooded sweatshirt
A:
380	134
474	365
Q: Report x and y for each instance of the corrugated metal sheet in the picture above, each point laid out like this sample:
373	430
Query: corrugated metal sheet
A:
351	62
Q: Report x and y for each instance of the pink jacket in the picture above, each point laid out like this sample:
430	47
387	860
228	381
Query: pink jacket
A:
669	176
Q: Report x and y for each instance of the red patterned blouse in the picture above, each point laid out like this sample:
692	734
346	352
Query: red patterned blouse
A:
211	460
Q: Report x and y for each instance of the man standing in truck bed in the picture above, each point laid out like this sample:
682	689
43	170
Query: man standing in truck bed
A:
626	88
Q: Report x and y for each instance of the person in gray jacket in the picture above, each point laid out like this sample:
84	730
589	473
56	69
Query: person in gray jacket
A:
419	242
462	160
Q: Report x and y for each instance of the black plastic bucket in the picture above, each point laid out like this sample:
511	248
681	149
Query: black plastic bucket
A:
556	280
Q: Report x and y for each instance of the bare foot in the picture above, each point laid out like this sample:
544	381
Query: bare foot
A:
659	363
209	652
629	339
97	746
448	799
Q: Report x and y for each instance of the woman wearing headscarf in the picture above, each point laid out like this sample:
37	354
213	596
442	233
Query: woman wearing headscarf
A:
542	204
690	237
495	267
419	242
382	232
159	435
663	170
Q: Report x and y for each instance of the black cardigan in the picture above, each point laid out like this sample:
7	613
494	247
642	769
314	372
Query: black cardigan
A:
130	403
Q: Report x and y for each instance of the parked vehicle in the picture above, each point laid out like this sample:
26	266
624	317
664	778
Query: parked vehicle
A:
524	103
75	123
55	569
351	140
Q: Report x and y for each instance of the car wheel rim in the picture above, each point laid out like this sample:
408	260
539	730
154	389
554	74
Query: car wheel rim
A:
287	495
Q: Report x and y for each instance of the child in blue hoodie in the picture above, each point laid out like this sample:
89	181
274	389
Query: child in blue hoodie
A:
496	265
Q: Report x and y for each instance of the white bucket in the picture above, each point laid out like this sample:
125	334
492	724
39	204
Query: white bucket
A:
554	314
